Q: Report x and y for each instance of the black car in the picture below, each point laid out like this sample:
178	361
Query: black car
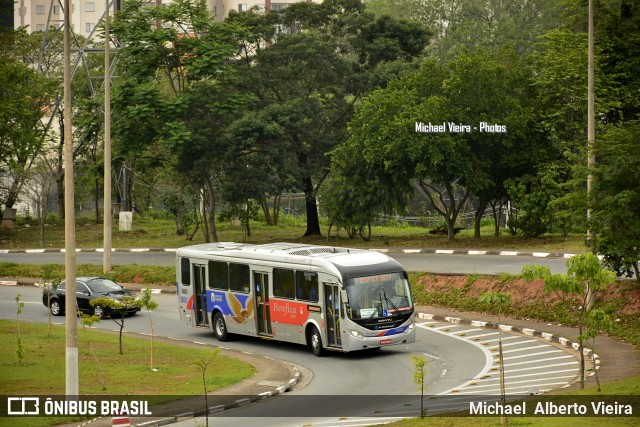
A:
87	289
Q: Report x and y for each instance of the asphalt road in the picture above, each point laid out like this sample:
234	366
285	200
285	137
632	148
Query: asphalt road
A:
427	262
379	386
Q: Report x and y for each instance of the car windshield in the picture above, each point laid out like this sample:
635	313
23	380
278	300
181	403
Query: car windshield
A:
382	295
103	286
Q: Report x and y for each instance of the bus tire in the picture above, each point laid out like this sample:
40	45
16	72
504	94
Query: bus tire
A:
220	327
315	342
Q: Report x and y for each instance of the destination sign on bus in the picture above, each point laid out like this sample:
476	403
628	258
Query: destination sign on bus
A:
375	279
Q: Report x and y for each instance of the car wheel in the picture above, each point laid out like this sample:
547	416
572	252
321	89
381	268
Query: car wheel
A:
98	311
315	342
55	307
220	327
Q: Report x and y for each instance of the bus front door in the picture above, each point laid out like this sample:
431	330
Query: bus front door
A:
200	297
261	288
332	314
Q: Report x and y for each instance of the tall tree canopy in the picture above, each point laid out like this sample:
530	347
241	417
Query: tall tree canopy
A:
174	99
451	130
320	63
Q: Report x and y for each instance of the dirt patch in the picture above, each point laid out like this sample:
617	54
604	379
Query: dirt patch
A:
625	293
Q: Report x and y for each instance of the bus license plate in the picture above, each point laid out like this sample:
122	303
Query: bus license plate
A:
382	342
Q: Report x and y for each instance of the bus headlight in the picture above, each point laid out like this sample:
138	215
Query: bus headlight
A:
411	326
356	334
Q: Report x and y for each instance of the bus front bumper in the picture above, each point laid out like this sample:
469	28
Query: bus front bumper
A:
356	341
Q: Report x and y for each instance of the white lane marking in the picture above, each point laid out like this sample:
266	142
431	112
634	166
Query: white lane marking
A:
483	335
511	383
533	375
487	354
528	387
447	326
534	354
538	360
503	339
525	348
466	331
431	355
540	367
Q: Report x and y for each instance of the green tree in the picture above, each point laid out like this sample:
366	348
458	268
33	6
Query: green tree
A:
119	309
148	304
87	320
324	58
26	94
471	24
49	283
176	76
205	360
584	279
598	320
447	166
617	202
258	164
19	346
419	375
500	299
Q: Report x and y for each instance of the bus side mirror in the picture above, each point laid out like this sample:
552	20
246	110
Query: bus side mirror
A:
343	296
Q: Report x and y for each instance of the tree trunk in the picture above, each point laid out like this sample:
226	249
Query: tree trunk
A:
211	215
311	205
478	219
497	216
60	168
264	203
96	199
276	207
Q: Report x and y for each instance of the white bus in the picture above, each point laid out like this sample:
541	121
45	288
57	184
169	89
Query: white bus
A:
327	298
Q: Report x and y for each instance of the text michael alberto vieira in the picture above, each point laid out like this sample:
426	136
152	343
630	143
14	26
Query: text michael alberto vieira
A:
452	127
549	408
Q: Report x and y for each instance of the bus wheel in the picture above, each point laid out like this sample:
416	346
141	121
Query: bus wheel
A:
219	327
315	342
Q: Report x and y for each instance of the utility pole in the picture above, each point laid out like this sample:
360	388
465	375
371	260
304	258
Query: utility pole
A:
591	120
591	140
71	360
106	257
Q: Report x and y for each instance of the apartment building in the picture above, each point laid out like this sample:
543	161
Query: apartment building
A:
221	8
34	14
86	14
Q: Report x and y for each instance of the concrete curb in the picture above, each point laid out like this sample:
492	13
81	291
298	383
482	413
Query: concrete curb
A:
382	250
509	328
212	410
474	252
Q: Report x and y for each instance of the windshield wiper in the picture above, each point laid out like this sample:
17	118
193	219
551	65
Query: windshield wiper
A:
377	309
389	301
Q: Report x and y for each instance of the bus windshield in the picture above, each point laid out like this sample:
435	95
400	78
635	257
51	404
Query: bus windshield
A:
382	295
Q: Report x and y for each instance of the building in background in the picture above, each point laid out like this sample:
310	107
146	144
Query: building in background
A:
86	14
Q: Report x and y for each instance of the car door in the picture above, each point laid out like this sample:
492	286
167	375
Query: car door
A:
83	296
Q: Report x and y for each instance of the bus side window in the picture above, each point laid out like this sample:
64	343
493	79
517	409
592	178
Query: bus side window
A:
185	271
218	275
307	286
283	283
239	278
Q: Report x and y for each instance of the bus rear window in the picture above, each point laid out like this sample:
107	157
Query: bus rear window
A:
185	271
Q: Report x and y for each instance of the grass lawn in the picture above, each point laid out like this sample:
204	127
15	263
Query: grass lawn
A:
42	372
626	387
161	233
